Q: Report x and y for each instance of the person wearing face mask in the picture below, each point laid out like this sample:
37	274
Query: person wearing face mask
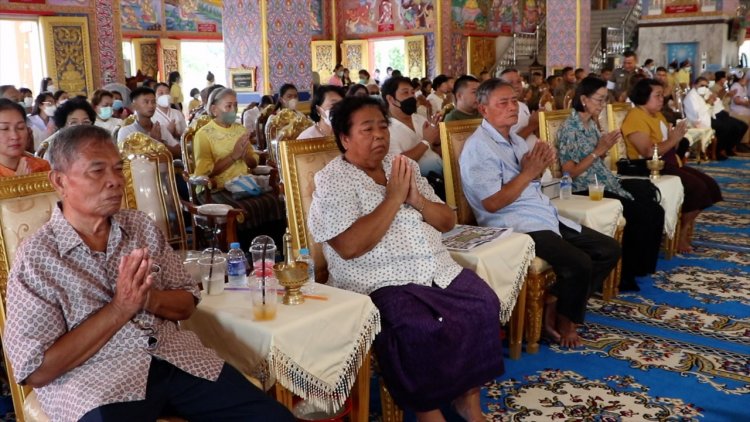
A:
168	117
288	97
75	112
364	78
649	68
223	150
60	97
143	100
337	79
102	101
195	99
324	99
411	134
27	99
47	85
684	75
40	119
702	105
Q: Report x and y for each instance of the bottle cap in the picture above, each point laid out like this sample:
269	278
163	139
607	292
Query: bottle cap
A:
234	245
304	251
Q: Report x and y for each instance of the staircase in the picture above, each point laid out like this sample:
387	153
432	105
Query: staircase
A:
522	50
621	27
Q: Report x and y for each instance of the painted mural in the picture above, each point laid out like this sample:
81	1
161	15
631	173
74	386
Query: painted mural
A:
316	17
496	16
378	16
193	15
141	15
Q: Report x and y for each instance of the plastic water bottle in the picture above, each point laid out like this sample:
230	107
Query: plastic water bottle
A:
304	256
236	266
566	186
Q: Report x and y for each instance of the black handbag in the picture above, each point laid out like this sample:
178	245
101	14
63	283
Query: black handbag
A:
642	190
628	167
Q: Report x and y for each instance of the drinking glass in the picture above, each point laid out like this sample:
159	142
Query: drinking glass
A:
212	274
265	301
596	192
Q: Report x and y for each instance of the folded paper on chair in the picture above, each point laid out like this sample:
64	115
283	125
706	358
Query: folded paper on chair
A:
464	238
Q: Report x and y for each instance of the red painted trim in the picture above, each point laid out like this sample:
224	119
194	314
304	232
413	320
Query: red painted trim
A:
157	34
26	12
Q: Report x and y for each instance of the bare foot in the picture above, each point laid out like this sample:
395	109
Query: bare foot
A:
430	416
684	247
468	406
568	334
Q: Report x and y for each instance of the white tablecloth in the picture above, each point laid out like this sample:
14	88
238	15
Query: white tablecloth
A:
601	216
314	349
672	195
704	135
503	264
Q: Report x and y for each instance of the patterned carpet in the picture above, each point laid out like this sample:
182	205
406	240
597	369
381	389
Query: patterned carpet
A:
679	350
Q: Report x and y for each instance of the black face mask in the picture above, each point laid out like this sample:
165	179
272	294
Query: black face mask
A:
408	106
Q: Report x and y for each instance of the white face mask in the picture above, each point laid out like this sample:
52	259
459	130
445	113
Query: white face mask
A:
51	88
163	101
49	110
28	102
292	104
711	84
702	91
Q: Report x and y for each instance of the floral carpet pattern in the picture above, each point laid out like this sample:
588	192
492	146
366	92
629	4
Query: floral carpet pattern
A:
568	396
678	350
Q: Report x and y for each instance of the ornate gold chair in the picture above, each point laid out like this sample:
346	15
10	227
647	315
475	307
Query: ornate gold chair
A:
301	160
150	186
127	121
616	113
43	147
278	121
549	124
26	203
297	124
453	136
260	126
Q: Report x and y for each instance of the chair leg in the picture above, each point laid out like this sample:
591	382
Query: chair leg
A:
391	412
534	311
283	396
361	392
670	245
516	324
612	283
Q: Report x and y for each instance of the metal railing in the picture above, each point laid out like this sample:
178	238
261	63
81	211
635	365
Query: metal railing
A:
523	45
615	39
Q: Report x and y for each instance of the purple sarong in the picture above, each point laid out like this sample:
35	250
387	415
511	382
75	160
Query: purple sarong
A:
436	344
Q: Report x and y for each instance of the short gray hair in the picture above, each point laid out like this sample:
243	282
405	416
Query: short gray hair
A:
487	87
217	95
69	140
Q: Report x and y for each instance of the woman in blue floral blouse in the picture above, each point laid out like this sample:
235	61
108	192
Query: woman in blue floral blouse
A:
581	149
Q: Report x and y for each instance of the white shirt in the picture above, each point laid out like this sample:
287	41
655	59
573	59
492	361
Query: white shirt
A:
110	124
523	120
741	92
311	132
164	119
250	118
403	138
136	127
436	102
411	251
697	111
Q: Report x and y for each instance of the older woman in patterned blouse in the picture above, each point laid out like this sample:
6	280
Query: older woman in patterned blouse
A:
380	222
581	149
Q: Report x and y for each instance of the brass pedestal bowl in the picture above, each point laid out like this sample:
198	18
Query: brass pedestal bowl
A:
655	166
292	276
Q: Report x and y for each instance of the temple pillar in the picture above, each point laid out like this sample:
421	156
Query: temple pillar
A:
568	34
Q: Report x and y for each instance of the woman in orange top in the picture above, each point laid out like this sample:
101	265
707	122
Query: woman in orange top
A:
14	139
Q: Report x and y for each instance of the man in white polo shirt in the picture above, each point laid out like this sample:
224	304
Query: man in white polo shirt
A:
411	134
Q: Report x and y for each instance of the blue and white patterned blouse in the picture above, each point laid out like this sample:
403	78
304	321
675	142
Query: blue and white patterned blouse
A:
574	143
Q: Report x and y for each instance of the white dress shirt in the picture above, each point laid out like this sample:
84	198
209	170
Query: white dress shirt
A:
523	120
164	119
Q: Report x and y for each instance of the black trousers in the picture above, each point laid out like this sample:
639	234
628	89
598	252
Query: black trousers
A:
729	131
641	239
581	262
173	392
